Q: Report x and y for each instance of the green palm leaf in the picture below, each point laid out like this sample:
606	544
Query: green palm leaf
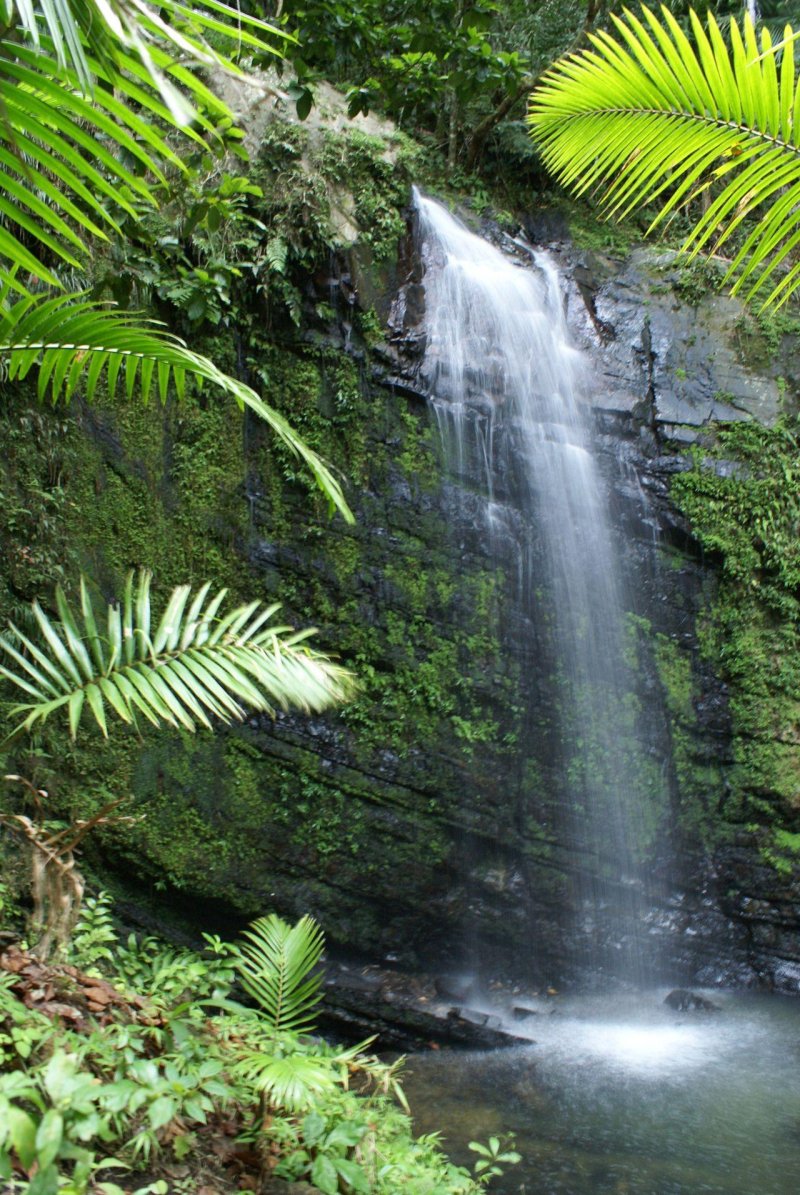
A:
276	965
653	117
70	165
62	134
193	665
158	37
74	157
72	340
290	1081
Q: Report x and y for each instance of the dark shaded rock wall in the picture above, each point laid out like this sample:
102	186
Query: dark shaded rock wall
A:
421	825
675	361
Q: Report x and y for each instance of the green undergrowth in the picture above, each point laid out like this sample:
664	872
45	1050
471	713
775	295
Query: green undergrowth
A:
699	776
741	497
175	1076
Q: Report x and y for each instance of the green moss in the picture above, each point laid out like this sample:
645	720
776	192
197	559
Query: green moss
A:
605	237
747	512
759	336
675	672
697	279
40	451
160	488
699	781
783	852
242	814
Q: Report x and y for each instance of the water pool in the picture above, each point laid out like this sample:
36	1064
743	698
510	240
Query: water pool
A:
622	1095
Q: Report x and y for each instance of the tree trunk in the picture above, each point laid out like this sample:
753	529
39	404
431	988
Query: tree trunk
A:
452	131
481	132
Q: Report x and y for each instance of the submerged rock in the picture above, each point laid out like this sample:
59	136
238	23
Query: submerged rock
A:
683	1001
454	987
407	1012
525	1007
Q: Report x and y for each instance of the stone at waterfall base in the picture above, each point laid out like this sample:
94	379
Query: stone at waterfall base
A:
682	1000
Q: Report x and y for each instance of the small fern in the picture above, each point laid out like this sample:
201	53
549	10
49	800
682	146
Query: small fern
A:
94	934
276	966
277	253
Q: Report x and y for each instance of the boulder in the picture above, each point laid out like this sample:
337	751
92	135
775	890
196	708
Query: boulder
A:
682	1000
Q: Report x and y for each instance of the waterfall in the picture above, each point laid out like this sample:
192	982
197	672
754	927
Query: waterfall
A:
511	397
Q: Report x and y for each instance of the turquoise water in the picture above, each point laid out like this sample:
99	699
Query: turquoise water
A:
623	1096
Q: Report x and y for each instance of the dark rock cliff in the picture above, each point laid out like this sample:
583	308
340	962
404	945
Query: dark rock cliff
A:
421	825
676	361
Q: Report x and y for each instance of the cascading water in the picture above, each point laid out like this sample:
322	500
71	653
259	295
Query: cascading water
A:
619	1093
510	398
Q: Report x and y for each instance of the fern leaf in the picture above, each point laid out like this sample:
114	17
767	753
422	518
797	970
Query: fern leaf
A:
69	339
276	964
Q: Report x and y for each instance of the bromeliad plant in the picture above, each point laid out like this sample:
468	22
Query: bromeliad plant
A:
193	665
652	116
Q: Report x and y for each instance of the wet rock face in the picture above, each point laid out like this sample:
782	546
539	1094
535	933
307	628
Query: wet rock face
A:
665	369
677	365
424	826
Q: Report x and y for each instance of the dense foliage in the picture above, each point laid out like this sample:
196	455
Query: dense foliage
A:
83	1098
105	178
94	99
134	1061
741	498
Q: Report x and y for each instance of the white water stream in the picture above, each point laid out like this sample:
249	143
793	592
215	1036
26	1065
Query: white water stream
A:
619	1095
510	397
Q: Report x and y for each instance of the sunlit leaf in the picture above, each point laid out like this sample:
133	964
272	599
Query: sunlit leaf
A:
180	676
655	116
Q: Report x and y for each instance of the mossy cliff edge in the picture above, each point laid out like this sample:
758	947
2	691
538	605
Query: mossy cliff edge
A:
700	397
421	822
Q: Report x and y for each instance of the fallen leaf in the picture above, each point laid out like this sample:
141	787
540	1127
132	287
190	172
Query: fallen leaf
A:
98	995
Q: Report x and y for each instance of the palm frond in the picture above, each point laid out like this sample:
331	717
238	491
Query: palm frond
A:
290	1081
71	165
72	340
192	665
276	965
83	105
652	116
158	36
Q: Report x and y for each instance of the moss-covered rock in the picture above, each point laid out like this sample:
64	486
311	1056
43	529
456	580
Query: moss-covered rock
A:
425	822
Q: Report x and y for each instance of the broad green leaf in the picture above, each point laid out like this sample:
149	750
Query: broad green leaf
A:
49	1136
353	1174
324	1175
22	1134
161	1111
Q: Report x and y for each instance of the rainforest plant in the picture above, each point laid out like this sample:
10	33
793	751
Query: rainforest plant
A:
193	664
653	117
166	1082
101	105
278	966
